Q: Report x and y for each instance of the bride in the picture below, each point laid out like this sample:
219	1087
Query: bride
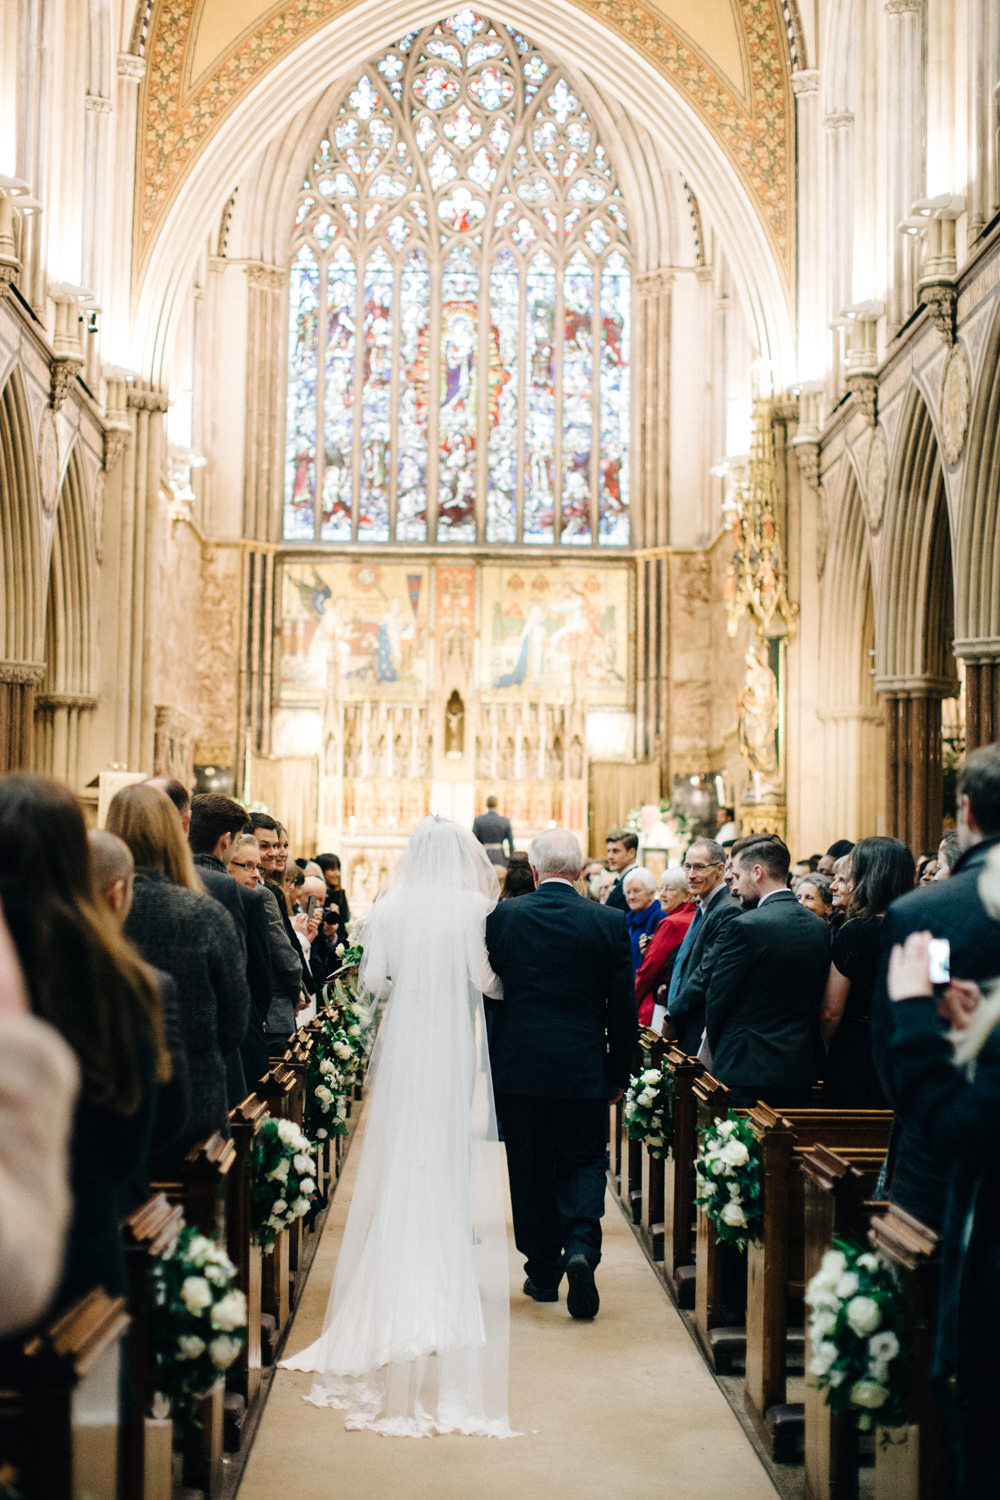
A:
415	1337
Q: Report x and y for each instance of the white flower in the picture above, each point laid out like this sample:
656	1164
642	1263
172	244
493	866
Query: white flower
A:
287	1131
733	1215
864	1315
725	1128
199	1250
837	1377
321	1135
280	1206
867	1262
342	1050
300	1207
196	1294
340	950
717	1166
878	1371
354	1031
822	1323
218	1275
847	1285
869	1393
708	1189
647	1097
651	1075
824	1356
324	1095
280	1173
883	1347
301	1163
307	1187
190	1346
833	1266
223	1351
230	1311
735	1154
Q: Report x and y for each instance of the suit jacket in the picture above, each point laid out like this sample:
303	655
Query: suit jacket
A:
494	828
566	1027
220	884
616	896
950	909
688	1011
768	977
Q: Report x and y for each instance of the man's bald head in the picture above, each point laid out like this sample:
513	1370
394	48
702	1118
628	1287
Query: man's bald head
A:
114	869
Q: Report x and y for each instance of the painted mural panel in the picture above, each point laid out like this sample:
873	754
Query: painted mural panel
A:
555	630
354	630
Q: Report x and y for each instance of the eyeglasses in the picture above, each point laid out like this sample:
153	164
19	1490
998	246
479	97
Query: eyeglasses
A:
235	864
697	869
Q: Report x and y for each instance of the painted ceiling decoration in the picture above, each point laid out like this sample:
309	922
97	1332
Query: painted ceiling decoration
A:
731	65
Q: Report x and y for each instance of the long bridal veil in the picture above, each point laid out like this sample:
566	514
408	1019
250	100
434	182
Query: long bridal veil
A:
415	1338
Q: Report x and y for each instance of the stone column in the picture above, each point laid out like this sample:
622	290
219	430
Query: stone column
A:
131	71
914	783
812	325
97	179
19	682
60	720
266	360
982	697
256	650
651	518
904	147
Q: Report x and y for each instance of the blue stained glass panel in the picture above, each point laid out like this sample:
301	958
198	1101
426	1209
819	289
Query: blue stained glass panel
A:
414	397
338	398
577	398
457	412
613	387
540	400
303	365
376	399
505	331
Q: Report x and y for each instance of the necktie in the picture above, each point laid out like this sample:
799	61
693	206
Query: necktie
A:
681	959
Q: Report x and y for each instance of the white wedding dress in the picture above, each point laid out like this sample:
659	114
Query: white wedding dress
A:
415	1338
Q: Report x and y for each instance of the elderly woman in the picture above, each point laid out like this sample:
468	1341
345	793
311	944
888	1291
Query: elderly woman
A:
661	950
815	893
644	913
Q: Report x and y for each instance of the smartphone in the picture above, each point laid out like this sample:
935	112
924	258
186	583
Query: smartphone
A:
939	962
311	905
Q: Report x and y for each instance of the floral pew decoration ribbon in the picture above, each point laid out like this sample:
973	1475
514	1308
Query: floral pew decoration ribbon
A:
649	1111
199	1318
284	1179
727	1169
856	1328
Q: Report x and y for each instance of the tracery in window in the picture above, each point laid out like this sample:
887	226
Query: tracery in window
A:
460	298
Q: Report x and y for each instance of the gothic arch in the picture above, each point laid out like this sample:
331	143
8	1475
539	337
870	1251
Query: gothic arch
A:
21	617
977	549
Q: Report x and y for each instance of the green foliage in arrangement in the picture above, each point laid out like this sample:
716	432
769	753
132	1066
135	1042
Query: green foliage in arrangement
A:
649	1112
856	1329
728	1180
199	1319
284	1179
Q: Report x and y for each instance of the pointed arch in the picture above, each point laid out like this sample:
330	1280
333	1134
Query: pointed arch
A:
21	617
977	548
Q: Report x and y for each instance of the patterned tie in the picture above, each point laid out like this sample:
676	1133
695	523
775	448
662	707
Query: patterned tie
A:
681	959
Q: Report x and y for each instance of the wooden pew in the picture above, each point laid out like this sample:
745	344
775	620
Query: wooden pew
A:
59	1404
911	1462
679	1179
775	1266
243	1250
716	1266
147	1442
837	1195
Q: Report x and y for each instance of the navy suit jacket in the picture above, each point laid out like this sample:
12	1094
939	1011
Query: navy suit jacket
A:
566	1027
688	1010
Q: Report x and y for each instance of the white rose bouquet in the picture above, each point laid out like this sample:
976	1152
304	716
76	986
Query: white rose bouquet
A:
649	1111
856	1335
199	1318
284	1179
727	1168
326	1092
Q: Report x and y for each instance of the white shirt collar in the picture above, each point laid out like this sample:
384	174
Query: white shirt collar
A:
706	901
779	892
552	879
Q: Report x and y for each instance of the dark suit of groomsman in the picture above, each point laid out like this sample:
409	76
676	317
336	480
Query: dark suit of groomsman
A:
563	1042
768	976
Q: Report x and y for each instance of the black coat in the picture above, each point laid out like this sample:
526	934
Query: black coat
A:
949	909
768	976
566	1027
251	922
688	1010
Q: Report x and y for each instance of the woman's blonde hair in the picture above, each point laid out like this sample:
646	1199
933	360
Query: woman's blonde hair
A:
149	823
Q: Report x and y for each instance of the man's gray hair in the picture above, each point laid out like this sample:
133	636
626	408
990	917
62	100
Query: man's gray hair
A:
556	852
714	853
676	877
645	878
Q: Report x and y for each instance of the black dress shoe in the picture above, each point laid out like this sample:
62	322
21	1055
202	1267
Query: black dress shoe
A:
582	1299
541	1293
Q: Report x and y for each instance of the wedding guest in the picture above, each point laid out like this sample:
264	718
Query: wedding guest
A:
89	984
836	851
881	870
815	893
178	794
607	883
950	1085
929	873
519	880
622	850
928	857
180	929
285	954
704	866
644	913
840	890
39	1084
948	854
658	959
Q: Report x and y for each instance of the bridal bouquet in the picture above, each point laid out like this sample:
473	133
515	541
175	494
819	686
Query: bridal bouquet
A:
284	1179
200	1317
649	1111
728	1176
856	1335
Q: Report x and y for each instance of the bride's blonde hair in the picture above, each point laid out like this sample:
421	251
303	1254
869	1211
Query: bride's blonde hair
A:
969	1043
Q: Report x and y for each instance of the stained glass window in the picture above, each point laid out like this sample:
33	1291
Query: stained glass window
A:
460	294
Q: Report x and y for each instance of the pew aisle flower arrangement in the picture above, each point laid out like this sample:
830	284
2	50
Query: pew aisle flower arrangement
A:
649	1111
284	1179
856	1335
200	1317
727	1168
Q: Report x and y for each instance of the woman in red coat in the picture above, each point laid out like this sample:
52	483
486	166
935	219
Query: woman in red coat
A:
658	958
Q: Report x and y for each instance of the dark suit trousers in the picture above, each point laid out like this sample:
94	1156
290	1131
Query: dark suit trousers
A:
557	1165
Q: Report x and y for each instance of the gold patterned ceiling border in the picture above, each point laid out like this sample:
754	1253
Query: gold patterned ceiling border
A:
758	138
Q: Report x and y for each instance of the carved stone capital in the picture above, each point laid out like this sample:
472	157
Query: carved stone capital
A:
653	283
838	121
904	7
864	389
272	278
63	373
131	68
807	458
144	398
97	104
83	701
8	274
941	300
25	673
115	439
805	81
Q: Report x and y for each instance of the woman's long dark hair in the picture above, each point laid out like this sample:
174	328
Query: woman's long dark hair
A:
83	977
881	870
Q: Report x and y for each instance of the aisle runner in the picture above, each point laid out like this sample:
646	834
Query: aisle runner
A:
623	1406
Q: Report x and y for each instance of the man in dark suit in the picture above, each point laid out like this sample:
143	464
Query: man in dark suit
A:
494	832
949	909
704	865
767	983
563	1042
623	856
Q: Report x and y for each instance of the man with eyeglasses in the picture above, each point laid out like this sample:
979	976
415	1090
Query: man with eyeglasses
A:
286	997
704	866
